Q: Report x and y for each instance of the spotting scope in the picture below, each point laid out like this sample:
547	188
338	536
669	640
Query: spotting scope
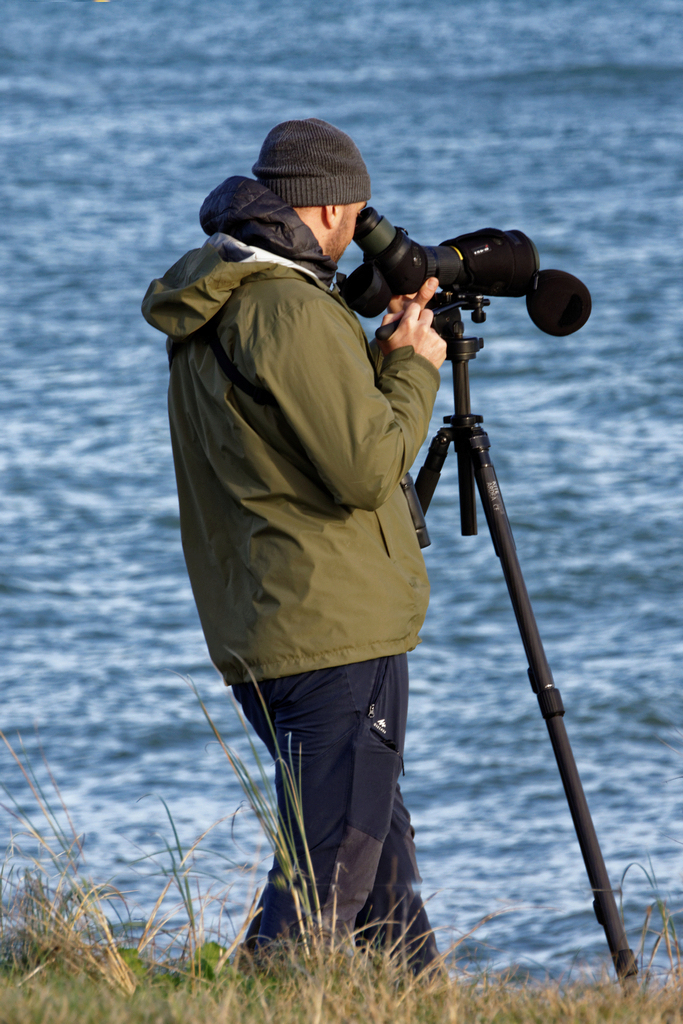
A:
485	262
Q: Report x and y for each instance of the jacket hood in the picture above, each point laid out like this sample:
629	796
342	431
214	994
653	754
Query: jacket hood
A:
251	213
199	284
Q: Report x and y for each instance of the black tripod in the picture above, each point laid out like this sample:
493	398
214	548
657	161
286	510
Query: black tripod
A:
471	443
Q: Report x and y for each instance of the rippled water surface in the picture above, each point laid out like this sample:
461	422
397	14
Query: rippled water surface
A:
560	118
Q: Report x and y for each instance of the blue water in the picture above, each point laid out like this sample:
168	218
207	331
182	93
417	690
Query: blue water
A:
559	118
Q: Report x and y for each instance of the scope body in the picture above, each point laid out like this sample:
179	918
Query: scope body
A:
490	261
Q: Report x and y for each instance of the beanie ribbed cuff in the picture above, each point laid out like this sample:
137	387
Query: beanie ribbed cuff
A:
312	163
339	191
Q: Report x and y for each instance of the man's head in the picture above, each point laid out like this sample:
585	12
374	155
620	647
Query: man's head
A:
317	169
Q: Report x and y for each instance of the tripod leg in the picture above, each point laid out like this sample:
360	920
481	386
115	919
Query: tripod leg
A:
551	705
428	477
468	508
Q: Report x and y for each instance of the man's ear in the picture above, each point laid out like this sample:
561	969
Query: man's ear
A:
329	216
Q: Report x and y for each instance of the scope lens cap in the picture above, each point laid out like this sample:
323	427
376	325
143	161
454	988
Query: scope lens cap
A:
558	302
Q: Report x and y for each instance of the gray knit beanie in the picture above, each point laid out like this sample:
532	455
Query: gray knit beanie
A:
312	163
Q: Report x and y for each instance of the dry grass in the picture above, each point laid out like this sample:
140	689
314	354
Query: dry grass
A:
338	991
63	958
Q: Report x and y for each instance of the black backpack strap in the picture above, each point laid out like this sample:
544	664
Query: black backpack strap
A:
259	395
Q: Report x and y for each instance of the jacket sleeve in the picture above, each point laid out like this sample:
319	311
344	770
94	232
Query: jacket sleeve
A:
362	433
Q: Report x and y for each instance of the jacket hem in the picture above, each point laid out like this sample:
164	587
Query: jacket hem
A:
263	672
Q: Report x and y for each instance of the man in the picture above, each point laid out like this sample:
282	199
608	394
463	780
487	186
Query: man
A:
290	436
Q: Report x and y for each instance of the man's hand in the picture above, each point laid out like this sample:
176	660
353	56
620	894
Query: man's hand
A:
415	327
400	303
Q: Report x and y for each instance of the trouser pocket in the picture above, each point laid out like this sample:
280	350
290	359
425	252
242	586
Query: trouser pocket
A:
379	749
388	707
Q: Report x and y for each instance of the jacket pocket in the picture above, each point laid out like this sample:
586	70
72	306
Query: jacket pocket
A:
384	532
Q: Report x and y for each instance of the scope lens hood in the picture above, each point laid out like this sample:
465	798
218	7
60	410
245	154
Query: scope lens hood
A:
558	303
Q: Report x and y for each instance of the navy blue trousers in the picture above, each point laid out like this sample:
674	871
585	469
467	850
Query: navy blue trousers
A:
341	731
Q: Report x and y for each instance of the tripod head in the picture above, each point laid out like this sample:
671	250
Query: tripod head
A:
447	305
448	323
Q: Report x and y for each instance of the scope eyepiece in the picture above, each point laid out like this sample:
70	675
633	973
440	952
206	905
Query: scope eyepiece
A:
373	233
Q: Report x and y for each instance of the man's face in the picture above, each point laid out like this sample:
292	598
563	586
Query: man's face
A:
341	238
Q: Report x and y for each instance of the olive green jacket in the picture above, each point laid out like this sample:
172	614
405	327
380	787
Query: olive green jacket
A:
298	539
